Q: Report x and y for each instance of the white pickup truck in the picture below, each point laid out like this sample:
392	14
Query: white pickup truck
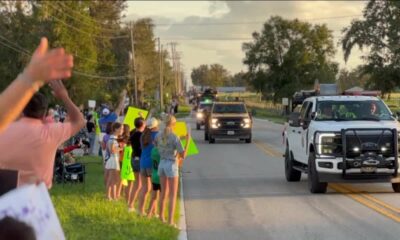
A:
342	139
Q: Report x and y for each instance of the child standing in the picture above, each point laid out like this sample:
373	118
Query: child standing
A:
112	164
155	181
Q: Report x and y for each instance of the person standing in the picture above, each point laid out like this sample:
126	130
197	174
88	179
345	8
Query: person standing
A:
146	142
171	154
112	164
136	185
91	129
155	182
30	144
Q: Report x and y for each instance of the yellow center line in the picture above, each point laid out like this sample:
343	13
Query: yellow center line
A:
365	202
267	149
371	198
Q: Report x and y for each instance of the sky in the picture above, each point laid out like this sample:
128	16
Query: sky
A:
208	32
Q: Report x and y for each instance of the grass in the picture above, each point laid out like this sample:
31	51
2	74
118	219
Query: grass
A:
183	111
85	214
266	114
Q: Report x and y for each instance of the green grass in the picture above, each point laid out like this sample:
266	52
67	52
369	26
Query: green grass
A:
85	214
266	114
183	111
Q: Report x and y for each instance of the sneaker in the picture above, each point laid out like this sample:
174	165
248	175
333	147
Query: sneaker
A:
132	210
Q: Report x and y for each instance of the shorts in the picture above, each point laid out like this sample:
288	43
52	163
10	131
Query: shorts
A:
168	168
112	163
156	186
135	163
146	172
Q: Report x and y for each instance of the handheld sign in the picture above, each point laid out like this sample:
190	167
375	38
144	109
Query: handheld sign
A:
92	103
132	114
192	149
180	129
31	204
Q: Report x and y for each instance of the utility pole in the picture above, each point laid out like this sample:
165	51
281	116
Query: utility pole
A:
161	75
174	65
133	65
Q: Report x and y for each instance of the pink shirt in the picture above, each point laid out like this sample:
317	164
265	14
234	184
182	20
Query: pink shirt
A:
29	146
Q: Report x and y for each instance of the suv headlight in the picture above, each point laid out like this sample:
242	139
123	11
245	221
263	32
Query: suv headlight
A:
214	123
199	115
246	123
328	143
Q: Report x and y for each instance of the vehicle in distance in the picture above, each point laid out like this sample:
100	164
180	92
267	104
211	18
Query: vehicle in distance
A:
203	110
228	120
342	139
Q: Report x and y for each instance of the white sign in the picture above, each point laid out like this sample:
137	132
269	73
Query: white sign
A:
285	101
32	204
92	103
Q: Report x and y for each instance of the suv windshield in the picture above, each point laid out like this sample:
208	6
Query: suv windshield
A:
371	110
205	106
229	108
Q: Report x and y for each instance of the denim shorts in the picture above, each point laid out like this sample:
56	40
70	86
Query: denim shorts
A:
135	163
168	168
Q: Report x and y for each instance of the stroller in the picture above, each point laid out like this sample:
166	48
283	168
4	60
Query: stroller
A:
63	173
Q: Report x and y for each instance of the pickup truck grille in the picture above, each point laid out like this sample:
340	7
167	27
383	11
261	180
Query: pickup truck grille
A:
230	123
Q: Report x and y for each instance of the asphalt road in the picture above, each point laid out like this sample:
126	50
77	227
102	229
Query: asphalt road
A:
234	190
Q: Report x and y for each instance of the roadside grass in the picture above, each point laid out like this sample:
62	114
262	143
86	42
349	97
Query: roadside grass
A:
86	214
183	111
266	114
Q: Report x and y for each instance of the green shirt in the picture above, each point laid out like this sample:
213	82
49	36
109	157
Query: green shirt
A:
155	160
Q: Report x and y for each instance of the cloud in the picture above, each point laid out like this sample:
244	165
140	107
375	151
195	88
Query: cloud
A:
205	21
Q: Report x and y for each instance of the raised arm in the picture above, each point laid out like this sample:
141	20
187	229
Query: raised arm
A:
43	67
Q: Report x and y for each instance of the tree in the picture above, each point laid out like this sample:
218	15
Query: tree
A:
288	55
199	75
214	75
379	31
355	78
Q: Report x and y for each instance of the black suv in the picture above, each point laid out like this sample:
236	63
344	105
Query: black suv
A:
228	120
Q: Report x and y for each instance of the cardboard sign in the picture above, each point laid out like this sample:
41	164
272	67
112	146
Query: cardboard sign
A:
192	149
132	114
126	169
92	103
180	129
32	204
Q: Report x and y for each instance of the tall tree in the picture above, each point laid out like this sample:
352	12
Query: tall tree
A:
199	75
288	55
379	31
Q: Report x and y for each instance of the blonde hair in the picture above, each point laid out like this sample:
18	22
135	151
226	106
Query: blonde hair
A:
170	120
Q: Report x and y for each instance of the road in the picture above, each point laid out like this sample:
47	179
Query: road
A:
235	190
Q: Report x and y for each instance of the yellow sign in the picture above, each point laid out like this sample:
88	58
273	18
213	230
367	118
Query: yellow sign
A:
180	129
132	114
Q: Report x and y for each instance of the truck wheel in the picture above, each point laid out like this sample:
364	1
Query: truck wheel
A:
314	184
211	139
205	136
292	175
396	187
248	140
198	126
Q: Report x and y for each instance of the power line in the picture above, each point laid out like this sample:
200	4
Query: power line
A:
249	22
84	16
96	23
77	72
84	32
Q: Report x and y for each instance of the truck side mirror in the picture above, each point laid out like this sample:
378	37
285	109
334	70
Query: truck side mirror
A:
313	115
294	119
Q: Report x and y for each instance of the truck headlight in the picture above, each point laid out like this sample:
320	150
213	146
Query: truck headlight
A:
214	123
247	123
327	143
199	115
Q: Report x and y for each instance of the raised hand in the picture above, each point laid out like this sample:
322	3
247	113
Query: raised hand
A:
46	66
58	89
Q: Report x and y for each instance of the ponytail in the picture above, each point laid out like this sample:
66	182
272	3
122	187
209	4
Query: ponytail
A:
171	120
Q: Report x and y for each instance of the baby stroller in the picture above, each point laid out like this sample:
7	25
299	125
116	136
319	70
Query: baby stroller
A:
64	173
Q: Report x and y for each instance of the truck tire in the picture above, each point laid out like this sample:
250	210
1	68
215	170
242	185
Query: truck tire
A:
396	187
248	140
198	126
292	175
314	185
205	136
211	140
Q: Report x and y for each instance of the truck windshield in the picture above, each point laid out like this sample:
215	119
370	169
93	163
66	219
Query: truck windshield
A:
229	108
371	110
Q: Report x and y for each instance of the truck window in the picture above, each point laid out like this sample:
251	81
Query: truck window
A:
303	110
309	111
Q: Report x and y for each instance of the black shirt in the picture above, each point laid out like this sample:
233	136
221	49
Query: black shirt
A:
135	141
90	127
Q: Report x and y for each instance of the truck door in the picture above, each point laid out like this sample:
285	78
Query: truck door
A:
304	136
295	135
